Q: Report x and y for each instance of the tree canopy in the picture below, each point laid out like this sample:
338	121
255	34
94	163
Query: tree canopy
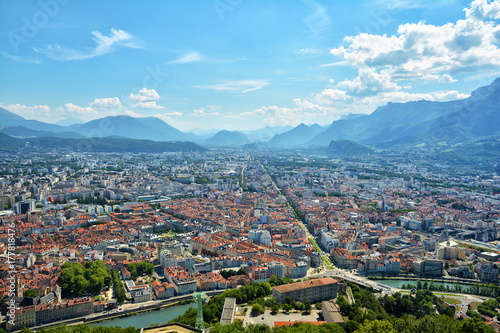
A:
77	280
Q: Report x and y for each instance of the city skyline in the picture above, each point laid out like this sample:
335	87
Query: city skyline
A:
240	65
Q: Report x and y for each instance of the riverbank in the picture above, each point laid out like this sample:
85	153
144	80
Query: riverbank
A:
131	313
416	278
101	317
145	318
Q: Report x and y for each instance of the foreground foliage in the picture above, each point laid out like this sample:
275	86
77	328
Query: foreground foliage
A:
212	310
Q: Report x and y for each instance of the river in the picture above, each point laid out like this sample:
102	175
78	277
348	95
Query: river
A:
399	283
144	320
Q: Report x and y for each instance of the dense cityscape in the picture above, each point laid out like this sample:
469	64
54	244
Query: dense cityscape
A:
172	224
229	166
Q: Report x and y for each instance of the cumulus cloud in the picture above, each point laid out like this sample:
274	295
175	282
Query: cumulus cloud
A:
445	78
302	111
38	112
144	95
421	51
106	103
105	44
369	82
146	99
84	110
483	9
329	96
46	113
330	104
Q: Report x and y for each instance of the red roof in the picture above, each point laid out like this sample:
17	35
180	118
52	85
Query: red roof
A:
305	284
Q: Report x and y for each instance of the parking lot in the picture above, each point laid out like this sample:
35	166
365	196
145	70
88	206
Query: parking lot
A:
269	319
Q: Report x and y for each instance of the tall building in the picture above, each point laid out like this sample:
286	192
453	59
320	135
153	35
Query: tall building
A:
428	267
277	269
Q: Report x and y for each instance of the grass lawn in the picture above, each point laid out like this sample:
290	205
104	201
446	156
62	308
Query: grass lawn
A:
453	301
473	305
327	263
440	294
444	294
314	244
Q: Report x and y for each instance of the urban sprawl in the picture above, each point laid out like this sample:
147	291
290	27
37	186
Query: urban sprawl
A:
172	224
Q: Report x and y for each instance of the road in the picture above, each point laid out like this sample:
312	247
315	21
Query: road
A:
325	256
243	176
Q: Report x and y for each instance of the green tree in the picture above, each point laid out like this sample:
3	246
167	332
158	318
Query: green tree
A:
257	309
140	268
351	326
377	326
77	280
307	306
472	314
26	330
30	293
474	325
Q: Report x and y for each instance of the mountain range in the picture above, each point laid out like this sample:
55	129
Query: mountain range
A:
429	122
392	125
296	136
108	145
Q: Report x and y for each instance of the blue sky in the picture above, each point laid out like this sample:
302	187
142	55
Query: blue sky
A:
240	64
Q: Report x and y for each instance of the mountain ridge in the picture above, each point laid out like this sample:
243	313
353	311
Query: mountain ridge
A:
422	121
109	145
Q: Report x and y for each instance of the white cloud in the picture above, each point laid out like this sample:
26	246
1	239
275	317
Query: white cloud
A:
133	114
369	82
105	103
303	111
84	110
149	105
144	95
38	112
421	51
190	57
19	59
329	96
199	112
146	99
309	50
446	78
173	113
242	86
333	64
483	9
105	44
208	112
330	104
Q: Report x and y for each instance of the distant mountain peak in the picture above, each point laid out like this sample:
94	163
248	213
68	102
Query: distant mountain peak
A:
227	138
